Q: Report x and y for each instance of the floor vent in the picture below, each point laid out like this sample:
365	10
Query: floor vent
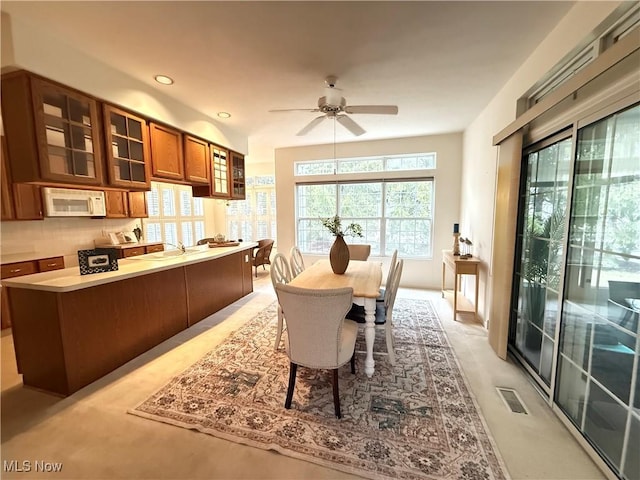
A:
512	400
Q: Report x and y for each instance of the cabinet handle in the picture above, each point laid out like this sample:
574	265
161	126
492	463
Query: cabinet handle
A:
51	264
15	270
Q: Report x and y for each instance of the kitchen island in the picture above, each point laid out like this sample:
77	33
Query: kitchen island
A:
71	329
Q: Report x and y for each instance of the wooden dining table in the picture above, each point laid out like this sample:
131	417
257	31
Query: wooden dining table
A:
365	277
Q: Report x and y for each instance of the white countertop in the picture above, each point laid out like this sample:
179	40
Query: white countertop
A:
24	257
69	279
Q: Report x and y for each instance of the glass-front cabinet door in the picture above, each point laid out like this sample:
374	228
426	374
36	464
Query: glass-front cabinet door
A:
127	149
68	134
219	172
238	187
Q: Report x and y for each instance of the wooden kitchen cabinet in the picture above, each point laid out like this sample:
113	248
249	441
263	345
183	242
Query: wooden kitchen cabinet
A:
137	205
18	269
127	150
20	201
52	132
117	204
126	251
238	187
125	204
219	184
196	160
166	152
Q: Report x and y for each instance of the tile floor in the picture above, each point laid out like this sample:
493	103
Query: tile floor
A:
93	437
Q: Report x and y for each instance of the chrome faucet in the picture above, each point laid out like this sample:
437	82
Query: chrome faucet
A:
180	246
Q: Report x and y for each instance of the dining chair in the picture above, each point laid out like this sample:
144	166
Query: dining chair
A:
317	334
384	311
280	275
392	266
296	262
262	253
359	251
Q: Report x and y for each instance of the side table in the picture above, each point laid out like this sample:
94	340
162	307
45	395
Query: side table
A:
460	266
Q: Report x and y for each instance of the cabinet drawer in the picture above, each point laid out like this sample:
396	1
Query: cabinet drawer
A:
154	248
133	252
17	269
47	264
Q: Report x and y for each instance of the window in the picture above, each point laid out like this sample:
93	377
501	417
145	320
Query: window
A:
415	161
174	215
394	214
254	217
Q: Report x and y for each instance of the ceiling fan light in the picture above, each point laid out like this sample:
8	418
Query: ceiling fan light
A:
333	96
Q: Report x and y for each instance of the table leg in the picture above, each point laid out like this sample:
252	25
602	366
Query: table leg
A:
443	277
455	294
369	334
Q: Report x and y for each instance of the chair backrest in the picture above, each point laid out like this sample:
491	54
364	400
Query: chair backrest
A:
205	241
263	252
359	251
314	323
392	267
393	289
280	271
296	262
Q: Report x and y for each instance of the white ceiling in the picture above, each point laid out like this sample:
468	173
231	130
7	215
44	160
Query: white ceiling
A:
440	62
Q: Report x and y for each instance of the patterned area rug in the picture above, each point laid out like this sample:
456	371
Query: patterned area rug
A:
414	420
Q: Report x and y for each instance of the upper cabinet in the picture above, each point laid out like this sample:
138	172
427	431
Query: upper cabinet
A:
219	184
127	149
238	187
166	152
52	132
20	201
196	160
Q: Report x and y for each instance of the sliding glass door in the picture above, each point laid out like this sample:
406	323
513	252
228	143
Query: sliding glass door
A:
598	383
576	300
543	207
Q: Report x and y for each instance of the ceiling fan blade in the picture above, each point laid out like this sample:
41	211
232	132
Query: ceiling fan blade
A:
376	109
311	125
350	125
295	110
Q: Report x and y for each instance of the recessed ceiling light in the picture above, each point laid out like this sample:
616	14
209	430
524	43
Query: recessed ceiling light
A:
163	79
224	115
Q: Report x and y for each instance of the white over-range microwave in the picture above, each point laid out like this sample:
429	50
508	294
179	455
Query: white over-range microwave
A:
68	202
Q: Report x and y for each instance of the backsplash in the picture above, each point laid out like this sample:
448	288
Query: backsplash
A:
58	236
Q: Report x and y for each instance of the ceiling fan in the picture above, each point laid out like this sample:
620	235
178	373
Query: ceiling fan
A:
333	105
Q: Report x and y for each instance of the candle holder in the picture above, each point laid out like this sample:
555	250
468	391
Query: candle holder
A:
456	243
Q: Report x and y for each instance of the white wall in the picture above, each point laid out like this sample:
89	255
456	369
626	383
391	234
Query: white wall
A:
479	164
54	237
416	273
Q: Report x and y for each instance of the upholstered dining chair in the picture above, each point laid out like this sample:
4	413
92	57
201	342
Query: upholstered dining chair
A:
392	267
280	275
296	262
261	254
384	311
359	251
317	334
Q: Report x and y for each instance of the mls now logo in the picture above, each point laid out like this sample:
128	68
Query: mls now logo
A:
10	466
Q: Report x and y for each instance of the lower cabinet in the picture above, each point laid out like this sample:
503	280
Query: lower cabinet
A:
135	250
67	340
18	269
